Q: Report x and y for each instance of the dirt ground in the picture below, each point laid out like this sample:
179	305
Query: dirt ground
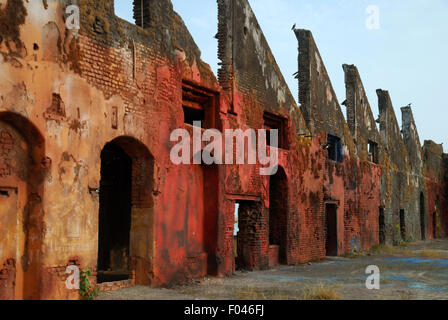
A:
416	271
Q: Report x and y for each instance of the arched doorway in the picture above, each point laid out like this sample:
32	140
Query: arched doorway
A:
115	214
126	212
278	213
422	216
22	166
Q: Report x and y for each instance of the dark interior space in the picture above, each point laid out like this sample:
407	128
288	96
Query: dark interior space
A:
211	182
278	197
382	227
191	115
403	225
114	214
434	225
422	216
274	122
331	243
334	145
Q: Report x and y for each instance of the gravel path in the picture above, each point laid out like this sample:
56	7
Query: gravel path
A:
417	271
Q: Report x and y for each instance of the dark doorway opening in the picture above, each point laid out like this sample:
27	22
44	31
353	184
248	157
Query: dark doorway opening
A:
247	239
331	243
278	209
403	225
422	216
382	227
434	225
114	214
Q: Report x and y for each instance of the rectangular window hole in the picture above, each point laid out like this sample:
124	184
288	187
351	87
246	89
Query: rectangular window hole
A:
274	122
334	147
372	151
4	193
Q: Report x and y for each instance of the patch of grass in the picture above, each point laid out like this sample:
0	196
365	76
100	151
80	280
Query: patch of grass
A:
400	248
321	292
355	255
404	244
384	249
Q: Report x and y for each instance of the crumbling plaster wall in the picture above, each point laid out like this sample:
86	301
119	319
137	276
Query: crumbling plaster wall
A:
108	66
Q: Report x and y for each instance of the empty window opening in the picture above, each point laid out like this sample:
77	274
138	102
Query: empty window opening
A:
247	255
331	243
198	106
192	115
278	209
115	215
403	225
382	227
372	150
422	216
274	122
124	10
334	148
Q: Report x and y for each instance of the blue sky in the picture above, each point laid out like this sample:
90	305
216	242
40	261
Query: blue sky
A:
407	55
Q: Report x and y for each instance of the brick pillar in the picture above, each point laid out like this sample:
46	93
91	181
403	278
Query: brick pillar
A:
142	13
152	13
351	84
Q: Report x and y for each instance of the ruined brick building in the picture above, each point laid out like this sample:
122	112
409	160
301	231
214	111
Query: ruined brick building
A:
85	172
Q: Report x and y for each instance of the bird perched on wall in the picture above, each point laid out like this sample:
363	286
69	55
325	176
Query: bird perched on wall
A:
294	27
409	105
